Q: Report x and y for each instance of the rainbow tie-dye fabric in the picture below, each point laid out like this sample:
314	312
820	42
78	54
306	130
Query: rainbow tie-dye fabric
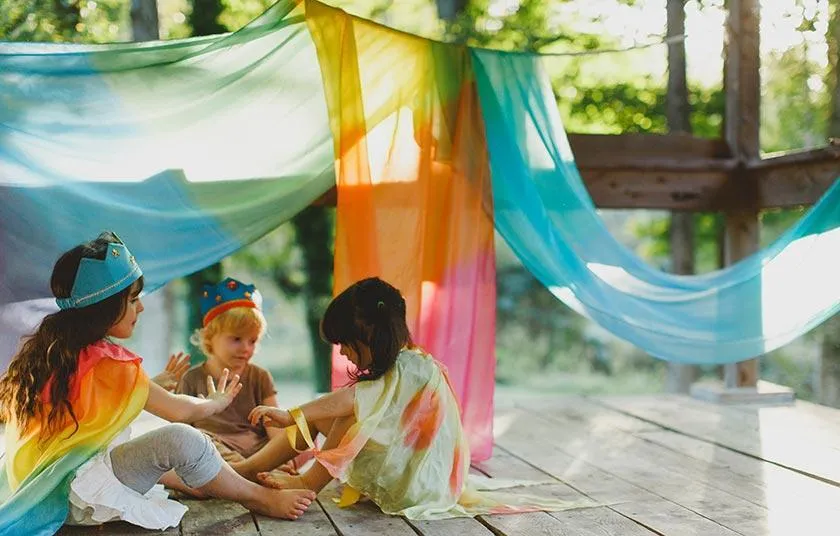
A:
108	392
191	149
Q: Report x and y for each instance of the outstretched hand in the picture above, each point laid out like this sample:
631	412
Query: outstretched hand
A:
270	416
224	393
177	365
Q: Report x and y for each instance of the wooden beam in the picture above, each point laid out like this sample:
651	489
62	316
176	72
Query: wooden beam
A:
695	190
589	149
797	177
686	173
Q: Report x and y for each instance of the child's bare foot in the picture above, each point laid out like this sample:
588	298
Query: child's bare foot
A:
282	503
281	481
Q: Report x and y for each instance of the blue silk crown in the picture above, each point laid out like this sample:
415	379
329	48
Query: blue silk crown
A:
230	293
99	279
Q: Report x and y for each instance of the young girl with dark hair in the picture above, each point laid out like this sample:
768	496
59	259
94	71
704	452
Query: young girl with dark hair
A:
395	435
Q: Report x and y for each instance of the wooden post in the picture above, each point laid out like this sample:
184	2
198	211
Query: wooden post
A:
741	224
741	239
681	233
741	131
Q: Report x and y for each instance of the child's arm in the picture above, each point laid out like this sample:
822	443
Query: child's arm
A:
185	408
340	403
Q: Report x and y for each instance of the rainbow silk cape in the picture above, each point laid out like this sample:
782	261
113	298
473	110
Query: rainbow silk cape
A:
108	392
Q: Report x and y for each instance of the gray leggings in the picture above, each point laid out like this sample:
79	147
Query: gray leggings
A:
141	462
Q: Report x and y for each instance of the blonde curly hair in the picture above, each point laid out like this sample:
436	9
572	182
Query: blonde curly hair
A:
236	320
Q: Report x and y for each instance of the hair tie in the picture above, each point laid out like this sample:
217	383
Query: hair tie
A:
380	304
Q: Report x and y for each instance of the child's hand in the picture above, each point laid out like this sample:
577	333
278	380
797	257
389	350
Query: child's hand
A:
226	391
269	416
176	367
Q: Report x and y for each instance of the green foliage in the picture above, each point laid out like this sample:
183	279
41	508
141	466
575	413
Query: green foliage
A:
633	107
795	106
79	21
237	13
529	28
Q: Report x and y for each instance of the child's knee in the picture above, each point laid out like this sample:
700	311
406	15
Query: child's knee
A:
180	437
194	457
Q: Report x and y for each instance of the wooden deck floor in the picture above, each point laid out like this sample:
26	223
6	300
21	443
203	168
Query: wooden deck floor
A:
659	465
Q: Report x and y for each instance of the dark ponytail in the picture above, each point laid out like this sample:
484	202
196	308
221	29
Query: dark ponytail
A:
371	313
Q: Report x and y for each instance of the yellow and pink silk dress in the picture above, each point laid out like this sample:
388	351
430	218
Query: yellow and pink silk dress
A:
107	393
408	452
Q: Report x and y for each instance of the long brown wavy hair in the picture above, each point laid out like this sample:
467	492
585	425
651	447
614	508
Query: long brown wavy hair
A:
370	312
53	350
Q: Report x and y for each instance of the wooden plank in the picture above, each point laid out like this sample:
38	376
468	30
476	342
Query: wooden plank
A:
615	446
361	519
820	429
314	522
584	411
447	527
781	485
119	528
607	488
791	448
794	501
215	516
620	455
598	520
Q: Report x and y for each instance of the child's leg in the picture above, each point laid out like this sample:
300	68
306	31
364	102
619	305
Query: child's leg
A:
141	462
276	452
317	477
172	481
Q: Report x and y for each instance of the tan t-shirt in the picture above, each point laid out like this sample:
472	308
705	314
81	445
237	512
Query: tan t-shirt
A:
231	426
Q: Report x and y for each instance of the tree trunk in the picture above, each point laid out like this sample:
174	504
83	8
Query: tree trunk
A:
144	20
679	377
204	18
204	21
314	235
448	10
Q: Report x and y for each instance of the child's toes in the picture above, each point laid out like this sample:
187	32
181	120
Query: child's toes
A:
267	480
